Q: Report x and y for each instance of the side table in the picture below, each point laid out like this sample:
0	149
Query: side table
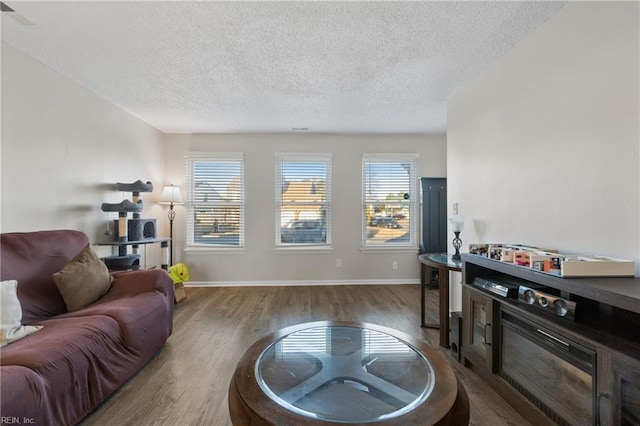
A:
444	263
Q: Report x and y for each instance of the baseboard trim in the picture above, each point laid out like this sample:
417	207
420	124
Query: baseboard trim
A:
304	283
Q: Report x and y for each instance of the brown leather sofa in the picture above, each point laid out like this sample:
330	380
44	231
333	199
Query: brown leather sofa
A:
61	373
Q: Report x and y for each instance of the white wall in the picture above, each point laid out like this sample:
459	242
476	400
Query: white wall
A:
543	147
63	150
259	263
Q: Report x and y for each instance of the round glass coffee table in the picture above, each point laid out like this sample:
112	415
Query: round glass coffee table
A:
343	372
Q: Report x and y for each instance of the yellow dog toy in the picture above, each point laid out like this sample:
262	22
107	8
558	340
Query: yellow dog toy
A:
179	273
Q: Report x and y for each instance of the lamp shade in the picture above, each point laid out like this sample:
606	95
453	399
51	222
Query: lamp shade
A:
457	223
171	195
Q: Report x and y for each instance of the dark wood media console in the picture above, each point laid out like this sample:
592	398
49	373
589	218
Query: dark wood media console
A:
555	369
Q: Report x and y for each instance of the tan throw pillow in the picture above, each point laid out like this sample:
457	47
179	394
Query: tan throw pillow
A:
83	280
11	328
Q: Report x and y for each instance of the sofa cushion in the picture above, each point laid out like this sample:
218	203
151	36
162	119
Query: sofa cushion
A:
11	328
80	360
139	318
31	258
83	280
25	393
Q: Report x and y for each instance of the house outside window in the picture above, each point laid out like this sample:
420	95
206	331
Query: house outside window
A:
389	197
303	199
215	206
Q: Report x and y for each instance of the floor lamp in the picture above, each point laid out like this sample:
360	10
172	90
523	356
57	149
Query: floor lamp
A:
171	196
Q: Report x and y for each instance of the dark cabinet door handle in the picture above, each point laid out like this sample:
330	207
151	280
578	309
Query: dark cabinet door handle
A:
598	405
485	334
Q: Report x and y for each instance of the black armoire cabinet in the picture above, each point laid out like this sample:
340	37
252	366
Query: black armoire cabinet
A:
433	238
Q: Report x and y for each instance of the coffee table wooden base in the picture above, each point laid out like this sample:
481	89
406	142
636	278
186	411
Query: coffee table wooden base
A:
249	405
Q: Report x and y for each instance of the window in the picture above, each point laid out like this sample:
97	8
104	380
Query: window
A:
215	206
389	196
303	188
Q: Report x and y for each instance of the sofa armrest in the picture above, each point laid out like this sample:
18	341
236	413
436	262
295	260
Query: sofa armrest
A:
131	283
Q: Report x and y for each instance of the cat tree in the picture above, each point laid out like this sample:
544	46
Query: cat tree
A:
132	232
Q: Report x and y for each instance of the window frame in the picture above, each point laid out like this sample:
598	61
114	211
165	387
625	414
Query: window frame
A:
411	159
291	157
191	205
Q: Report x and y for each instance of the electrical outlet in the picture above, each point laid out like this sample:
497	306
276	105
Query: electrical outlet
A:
394	265
338	263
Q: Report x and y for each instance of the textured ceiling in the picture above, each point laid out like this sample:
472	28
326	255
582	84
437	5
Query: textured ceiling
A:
346	67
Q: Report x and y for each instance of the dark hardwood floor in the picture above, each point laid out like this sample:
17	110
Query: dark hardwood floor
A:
186	383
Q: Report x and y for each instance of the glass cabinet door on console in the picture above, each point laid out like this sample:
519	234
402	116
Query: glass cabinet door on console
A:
478	329
551	370
619	390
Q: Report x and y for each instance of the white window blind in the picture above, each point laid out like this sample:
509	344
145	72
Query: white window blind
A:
303	199
215	206
389	200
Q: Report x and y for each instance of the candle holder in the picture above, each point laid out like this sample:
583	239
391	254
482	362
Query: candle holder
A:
457	224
